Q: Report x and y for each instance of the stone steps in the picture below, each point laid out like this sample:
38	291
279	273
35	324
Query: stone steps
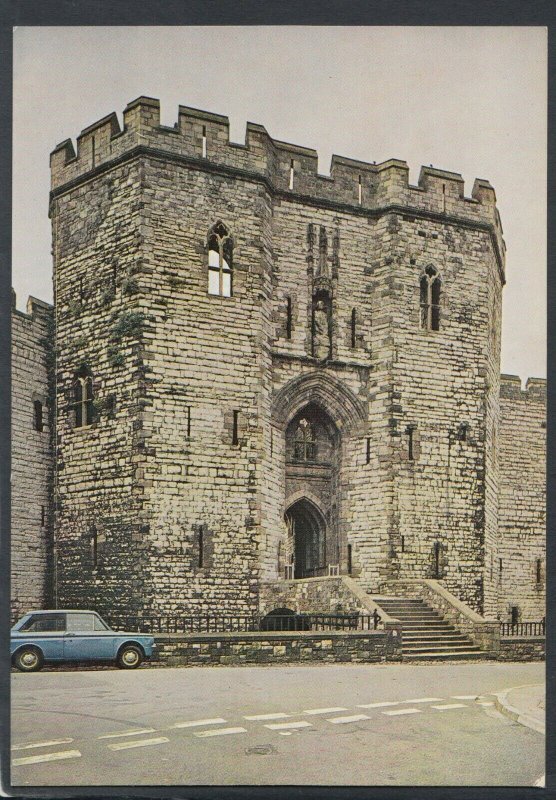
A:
467	655
426	635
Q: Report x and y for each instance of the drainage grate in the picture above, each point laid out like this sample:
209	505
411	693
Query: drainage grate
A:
261	750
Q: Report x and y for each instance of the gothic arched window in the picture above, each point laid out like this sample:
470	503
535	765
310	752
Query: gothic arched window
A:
304	442
430	299
220	248
83	398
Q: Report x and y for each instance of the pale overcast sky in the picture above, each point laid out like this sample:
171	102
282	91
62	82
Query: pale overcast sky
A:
470	100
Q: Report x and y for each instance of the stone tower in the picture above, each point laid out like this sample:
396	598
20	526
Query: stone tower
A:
263	371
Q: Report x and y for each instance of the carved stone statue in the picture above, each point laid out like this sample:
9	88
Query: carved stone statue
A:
322	343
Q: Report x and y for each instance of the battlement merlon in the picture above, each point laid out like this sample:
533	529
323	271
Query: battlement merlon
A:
201	139
35	309
535	389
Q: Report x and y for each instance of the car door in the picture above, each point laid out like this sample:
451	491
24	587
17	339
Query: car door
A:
47	632
82	642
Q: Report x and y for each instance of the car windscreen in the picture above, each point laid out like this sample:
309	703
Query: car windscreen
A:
44	623
100	625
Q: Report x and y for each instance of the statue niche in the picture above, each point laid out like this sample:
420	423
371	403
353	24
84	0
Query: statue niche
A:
321	327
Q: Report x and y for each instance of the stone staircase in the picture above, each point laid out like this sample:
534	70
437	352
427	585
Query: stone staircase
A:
426	635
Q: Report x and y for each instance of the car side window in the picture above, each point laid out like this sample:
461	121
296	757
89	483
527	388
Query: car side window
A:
44	623
100	625
80	622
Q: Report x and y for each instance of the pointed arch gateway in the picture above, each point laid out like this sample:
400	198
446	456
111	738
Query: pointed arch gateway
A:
346	411
307	529
317	414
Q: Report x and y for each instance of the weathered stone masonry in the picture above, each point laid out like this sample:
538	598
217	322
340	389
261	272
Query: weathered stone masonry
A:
521	566
31	478
320	417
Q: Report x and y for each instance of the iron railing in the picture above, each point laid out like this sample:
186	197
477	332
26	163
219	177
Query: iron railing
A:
320	622
210	623
328	571
523	628
202	623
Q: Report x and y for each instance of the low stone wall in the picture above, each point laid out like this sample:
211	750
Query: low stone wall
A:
518	648
484	633
328	595
177	649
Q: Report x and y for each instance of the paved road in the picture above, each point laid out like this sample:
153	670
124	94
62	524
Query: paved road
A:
325	724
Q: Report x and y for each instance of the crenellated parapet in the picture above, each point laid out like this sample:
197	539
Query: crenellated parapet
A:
35	309
201	139
535	389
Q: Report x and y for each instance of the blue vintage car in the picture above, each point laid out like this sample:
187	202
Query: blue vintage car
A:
55	636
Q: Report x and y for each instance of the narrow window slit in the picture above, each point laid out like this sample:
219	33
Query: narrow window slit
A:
353	328
410	443
188	413
368	454
38	423
360	191
539	571
43	516
291	174
437	559
288	318
93	153
349	560
235	439
204	146
403	544
201	544
94	546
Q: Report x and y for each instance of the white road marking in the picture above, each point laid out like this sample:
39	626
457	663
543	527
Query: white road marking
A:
344	720
464	696
402	711
378	705
285	733
41	744
277	726
485	703
540	782
279	715
219	732
141	743
447	706
424	700
193	723
324	710
19	762
135	732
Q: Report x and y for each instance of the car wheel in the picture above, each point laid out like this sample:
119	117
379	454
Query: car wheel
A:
28	659
129	657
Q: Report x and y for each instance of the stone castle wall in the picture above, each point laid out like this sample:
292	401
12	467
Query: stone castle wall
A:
31	477
158	508
100	485
521	567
